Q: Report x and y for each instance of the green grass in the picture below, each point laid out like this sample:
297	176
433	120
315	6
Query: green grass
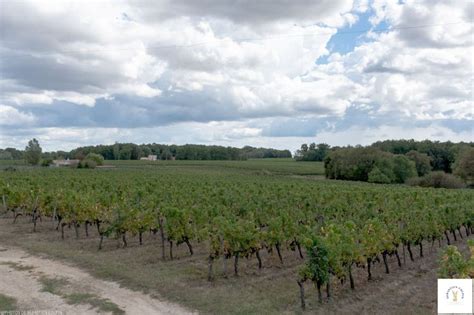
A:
53	285
259	166
281	166
7	303
103	305
62	287
13	163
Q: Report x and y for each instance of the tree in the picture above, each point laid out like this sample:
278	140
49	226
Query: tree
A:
313	152
125	152
385	166
11	154
377	176
368	164
403	168
116	151
136	152
422	162
146	151
322	150
5	155
166	154
86	163
465	165
33	152
356	163
442	154
97	158
46	162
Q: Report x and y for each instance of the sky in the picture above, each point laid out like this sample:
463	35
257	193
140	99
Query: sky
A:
271	73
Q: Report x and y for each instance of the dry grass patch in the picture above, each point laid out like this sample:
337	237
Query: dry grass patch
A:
17	266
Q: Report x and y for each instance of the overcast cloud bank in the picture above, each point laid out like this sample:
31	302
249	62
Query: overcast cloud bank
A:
261	73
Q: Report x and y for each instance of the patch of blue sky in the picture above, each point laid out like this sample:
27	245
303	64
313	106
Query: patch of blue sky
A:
351	36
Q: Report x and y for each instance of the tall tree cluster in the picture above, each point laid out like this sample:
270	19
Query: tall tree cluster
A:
396	161
313	152
33	152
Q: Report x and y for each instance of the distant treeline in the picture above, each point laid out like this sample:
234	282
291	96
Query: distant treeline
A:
131	151
392	161
441	154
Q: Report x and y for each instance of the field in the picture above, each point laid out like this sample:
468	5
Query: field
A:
259	166
245	225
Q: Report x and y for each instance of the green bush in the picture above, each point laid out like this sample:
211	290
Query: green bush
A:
46	162
452	264
368	164
353	163
97	158
438	179
377	176
87	164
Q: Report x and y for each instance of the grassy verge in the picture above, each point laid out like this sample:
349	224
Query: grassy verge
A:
101	304
53	285
61	287
7	303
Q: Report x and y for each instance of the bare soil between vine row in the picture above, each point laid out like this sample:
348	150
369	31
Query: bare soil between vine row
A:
139	282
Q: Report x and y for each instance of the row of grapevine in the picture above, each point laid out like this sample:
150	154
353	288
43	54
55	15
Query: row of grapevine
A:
353	224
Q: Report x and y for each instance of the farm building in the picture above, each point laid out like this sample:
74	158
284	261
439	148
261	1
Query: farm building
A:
149	158
67	162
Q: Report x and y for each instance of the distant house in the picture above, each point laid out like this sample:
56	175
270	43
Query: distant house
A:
149	158
67	162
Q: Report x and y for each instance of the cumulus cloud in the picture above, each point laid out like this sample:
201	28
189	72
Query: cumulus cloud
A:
364	136
422	68
248	12
10	116
244	69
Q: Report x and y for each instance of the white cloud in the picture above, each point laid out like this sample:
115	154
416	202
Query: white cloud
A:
137	63
10	116
366	135
423	72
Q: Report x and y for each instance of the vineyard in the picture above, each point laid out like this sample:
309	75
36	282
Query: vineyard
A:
227	214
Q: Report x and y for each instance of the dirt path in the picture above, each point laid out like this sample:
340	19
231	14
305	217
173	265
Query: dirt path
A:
22	277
